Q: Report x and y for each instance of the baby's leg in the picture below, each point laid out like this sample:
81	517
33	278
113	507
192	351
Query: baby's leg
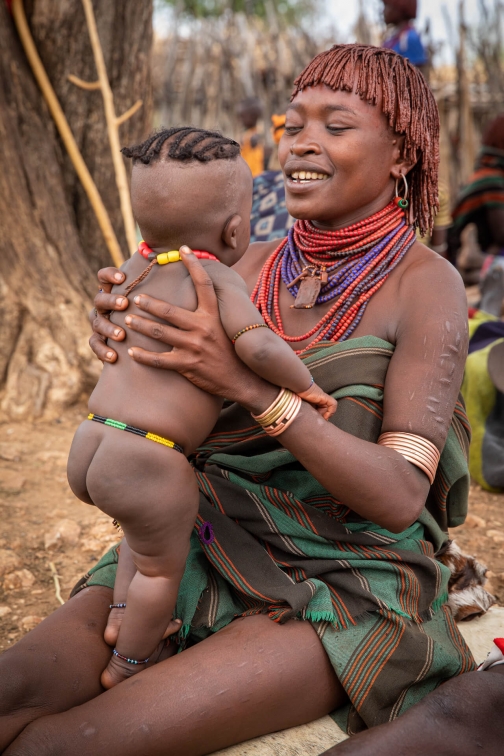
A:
152	491
126	571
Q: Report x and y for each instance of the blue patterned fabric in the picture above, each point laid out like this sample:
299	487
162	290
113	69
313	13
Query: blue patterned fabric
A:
269	218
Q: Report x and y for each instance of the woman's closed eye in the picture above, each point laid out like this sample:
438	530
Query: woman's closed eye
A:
338	129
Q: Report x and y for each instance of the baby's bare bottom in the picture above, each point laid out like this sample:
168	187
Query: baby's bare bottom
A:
152	491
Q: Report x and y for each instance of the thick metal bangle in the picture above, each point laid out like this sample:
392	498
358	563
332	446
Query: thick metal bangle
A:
281	413
281	399
279	409
286	419
416	449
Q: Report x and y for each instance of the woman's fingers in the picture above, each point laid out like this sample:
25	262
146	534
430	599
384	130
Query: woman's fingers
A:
108	277
165	333
207	299
106	302
164	360
101	349
177	316
107	330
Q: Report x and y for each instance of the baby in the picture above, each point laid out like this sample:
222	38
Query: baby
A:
189	187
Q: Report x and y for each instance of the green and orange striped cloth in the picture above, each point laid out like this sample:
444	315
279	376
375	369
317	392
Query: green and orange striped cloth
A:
270	539
484	190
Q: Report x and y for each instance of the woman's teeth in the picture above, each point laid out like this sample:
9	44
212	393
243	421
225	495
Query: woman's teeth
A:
304	176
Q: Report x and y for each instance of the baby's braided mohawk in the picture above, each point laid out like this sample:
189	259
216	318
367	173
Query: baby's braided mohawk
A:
406	101
184	143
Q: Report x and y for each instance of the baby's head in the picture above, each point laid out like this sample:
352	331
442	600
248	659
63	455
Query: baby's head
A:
190	186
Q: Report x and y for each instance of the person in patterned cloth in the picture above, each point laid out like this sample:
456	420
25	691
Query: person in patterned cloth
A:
312	585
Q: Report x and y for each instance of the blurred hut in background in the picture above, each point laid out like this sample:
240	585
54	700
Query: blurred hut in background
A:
219	52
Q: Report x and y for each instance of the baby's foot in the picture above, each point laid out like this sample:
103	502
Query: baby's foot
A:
114	623
118	670
324	403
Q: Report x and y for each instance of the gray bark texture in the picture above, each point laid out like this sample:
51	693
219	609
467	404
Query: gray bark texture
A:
50	242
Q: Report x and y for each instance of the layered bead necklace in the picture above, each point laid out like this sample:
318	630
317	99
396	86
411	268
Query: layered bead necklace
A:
348	265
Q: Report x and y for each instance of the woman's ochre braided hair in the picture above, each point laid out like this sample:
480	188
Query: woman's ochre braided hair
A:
184	143
380	75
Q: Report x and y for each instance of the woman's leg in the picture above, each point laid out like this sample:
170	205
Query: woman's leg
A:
57	665
462	717
253	677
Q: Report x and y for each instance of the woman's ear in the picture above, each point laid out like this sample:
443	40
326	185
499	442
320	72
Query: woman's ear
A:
230	232
400	166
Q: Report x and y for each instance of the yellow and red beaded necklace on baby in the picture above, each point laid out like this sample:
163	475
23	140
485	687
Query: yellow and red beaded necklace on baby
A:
163	258
173	256
348	265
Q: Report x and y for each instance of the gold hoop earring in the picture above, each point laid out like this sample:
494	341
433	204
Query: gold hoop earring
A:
402	201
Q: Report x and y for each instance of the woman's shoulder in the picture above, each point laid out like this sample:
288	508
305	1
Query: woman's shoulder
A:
427	269
429	287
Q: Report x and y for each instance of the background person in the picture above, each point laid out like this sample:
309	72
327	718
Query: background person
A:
403	38
250	111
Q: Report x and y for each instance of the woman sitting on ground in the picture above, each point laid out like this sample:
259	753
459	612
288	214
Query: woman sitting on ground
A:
312	585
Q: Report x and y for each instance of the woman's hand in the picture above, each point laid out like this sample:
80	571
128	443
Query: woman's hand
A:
201	351
99	316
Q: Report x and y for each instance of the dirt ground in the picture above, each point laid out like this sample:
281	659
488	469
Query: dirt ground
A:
44	529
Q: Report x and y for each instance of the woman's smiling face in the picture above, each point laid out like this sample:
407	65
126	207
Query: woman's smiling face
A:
339	157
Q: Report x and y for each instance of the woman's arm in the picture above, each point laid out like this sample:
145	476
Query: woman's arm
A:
421	388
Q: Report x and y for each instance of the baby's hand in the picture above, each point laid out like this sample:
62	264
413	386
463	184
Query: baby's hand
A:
324	403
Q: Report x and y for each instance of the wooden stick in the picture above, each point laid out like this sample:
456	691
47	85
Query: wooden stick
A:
112	128
65	132
57	587
128	113
89	85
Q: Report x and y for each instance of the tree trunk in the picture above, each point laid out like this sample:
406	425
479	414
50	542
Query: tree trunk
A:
50	244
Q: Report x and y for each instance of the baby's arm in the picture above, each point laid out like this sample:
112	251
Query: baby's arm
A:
262	350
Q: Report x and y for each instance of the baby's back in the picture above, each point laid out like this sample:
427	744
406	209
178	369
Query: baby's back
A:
153	399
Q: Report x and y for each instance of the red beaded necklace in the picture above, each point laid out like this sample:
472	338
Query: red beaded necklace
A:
163	258
348	265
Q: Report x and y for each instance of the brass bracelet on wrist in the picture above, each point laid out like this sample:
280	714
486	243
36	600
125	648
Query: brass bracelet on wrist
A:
281	413
416	449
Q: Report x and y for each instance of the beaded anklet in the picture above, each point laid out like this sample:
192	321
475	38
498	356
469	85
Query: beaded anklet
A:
130	661
137	431
248	328
117	606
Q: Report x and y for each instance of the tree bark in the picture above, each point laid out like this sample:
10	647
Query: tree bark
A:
50	244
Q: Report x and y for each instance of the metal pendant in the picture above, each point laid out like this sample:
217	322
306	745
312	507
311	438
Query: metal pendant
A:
308	291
